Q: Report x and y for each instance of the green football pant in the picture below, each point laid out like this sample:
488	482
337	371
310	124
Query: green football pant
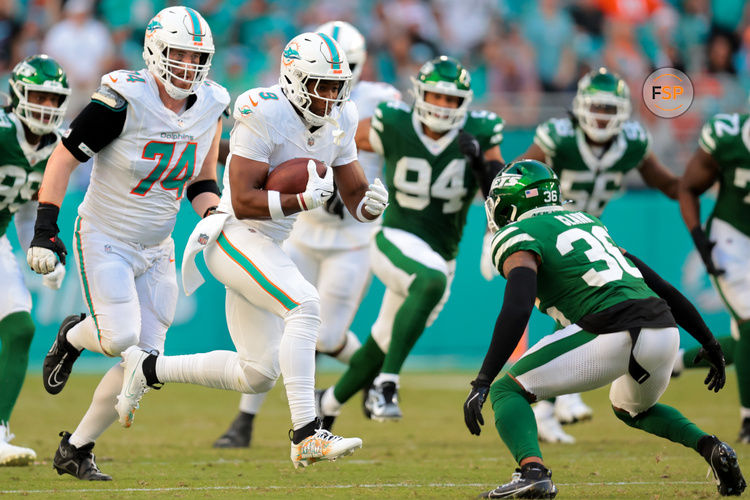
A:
16	332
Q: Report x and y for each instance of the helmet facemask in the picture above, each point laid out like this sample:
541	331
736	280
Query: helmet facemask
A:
593	110
440	118
40	119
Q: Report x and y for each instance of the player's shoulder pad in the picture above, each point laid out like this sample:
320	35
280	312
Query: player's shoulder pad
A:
109	97
6	123
389	112
507	240
380	91
636	133
486	126
217	92
348	115
258	103
720	129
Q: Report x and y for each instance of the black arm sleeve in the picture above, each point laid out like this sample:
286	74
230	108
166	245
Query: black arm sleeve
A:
685	313
95	127
518	302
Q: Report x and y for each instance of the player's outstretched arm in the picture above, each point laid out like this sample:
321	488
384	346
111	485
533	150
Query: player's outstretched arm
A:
656	175
518	302
700	174
688	317
362	137
533	153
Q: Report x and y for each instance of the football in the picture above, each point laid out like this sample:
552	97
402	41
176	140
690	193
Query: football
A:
290	177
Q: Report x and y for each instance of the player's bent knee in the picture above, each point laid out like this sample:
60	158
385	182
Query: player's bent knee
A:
255	382
503	386
430	285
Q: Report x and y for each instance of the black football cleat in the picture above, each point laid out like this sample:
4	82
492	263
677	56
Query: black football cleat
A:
78	462
239	434
60	358
532	480
723	461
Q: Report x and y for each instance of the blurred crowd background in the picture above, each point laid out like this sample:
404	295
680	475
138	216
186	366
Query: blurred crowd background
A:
525	57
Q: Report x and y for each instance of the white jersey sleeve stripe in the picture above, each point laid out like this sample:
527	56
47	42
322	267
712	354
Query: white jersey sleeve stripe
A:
508	244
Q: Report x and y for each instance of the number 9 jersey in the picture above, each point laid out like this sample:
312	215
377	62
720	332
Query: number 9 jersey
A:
429	182
140	177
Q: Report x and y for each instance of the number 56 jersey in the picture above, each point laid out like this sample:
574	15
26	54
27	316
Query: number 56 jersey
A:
139	178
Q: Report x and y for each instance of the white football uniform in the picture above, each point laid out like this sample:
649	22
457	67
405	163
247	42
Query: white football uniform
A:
122	241
263	284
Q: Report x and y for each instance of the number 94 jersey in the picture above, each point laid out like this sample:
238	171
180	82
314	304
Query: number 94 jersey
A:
590	181
430	184
139	179
582	270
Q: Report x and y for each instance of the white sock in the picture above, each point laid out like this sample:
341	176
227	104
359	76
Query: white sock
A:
329	405
101	413
744	412
297	361
85	336
216	369
386	377
350	347
251	403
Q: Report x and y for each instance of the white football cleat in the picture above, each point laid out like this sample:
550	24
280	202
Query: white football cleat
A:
134	384
548	428
323	445
570	408
11	454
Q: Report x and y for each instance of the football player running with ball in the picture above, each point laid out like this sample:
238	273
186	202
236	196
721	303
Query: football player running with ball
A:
154	136
273	312
621	329
724	245
328	245
28	134
436	156
591	152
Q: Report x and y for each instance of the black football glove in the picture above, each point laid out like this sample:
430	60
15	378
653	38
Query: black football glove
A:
717	376
469	146
45	236
704	247
335	205
473	405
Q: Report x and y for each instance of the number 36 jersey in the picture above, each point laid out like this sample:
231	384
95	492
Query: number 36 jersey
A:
587	180
430	184
582	271
21	166
139	178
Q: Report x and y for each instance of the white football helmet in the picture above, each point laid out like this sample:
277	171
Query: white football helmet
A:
353	43
314	57
178	28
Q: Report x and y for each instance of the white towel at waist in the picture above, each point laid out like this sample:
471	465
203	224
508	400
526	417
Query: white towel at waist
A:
205	232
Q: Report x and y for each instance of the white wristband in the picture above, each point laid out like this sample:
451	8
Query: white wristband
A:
358	213
274	205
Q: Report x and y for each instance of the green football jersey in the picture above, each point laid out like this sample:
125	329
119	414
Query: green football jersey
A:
586	179
21	166
727	139
430	185
581	272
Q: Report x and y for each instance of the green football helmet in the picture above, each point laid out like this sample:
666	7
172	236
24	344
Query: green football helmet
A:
39	73
521	186
601	104
442	75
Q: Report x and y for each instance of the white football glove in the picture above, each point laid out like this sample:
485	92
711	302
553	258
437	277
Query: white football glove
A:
54	279
376	198
318	189
41	260
486	267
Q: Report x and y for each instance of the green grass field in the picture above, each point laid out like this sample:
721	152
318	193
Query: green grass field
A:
429	454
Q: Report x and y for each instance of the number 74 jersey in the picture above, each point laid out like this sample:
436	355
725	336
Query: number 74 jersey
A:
139	179
582	270
430	184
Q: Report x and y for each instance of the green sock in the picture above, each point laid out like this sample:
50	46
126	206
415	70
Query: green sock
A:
363	367
425	293
665	421
742	364
514	419
728	347
16	332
